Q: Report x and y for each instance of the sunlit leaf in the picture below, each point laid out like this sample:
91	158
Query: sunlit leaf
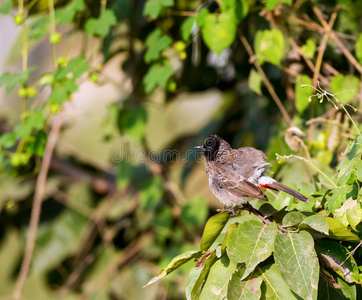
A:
219	31
157	75
297	261
269	46
255	81
102	25
251	243
186	28
315	222
156	42
275	286
198	275
302	94
293	218
153	8
339	196
246	289
177	262
217	281
339	232
359	48
309	48
65	15
346	85
212	229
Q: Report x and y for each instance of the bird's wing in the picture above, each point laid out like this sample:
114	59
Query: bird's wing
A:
235	184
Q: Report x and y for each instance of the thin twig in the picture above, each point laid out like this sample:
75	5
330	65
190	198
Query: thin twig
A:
335	37
328	30
36	209
266	81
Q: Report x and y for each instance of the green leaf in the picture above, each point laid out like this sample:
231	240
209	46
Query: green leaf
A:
340	195
10	80
6	6
65	15
271	4
308	49
153	8
39	28
293	218
269	46
302	94
177	262
132	121
254	82
151	195
316	222
219	31
156	42
75	67
212	229
102	25
334	255
201	16
198	275
275	286
350	213
58	95
297	261
358	48
348	84
186	28
244	289
251	243
239	7
327	292
157	75
354	214
339	232
217	281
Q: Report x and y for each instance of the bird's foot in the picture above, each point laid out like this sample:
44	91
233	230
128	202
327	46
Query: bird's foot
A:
229	210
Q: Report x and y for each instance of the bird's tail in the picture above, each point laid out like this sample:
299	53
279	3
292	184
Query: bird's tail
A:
281	187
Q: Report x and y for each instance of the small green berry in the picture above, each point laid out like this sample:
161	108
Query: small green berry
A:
183	55
62	61
94	77
171	86
55	38
19	19
31	91
180	46
22	92
54	108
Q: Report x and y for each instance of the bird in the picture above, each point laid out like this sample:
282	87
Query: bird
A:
237	176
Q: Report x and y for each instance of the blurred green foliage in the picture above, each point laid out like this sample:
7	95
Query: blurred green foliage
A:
190	68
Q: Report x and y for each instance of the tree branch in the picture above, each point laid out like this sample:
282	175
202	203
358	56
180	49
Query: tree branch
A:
36	209
266	81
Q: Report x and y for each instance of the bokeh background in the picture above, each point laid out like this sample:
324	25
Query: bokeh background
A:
126	191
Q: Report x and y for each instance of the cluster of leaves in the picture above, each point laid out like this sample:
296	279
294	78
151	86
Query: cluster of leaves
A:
105	245
298	254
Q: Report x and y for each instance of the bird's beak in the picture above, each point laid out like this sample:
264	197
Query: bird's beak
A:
199	147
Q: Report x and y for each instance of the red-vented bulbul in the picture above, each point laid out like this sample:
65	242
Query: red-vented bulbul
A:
238	175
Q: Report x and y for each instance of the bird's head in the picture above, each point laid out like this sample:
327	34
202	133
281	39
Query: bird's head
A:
211	147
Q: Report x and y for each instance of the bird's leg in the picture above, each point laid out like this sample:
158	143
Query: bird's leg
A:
230	210
247	206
